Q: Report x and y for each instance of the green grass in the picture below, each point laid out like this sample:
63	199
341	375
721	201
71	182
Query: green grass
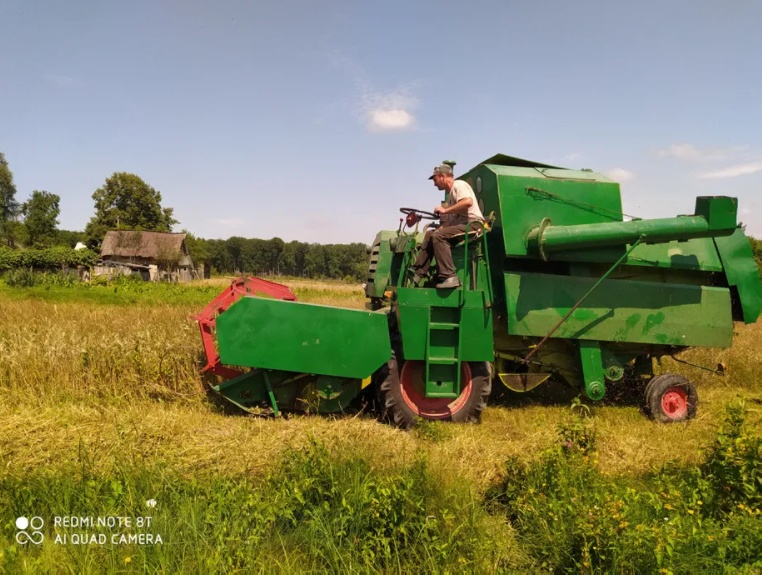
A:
118	293
125	291
315	511
336	506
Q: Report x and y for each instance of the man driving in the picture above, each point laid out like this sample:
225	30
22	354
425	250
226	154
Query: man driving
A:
456	211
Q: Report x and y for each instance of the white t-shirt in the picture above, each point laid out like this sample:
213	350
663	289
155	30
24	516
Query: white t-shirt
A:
460	190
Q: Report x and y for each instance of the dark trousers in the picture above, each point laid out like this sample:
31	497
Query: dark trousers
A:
435	244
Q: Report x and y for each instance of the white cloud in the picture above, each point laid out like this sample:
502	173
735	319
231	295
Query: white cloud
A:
379	111
384	112
691	153
734	171
620	175
390	119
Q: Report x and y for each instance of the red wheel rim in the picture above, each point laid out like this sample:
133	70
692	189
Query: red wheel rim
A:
674	403
413	392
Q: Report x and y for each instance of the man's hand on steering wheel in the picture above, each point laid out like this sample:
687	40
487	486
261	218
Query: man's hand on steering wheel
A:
420	214
414	216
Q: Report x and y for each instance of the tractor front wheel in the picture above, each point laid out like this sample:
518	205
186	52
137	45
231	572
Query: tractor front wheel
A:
403	401
671	398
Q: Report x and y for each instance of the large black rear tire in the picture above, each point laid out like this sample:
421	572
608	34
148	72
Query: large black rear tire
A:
402	404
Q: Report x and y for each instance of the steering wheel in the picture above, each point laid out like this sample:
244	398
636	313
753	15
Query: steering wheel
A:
419	214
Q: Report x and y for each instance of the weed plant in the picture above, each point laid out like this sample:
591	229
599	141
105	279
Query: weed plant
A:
680	519
319	510
20	277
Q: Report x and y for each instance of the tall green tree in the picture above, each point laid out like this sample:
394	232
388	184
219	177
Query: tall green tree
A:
69	238
273	249
41	213
9	207
198	248
235	246
219	256
126	202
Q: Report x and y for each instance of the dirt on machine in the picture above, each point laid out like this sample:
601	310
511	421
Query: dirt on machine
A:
557	285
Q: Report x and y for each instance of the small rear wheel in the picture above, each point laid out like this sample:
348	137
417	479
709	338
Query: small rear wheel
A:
403	401
671	398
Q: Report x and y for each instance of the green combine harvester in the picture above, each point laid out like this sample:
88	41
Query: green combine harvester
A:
555	286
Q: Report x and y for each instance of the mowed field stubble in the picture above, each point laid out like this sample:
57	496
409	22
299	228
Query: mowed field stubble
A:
107	377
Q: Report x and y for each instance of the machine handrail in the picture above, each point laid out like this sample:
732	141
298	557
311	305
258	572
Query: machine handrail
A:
485	227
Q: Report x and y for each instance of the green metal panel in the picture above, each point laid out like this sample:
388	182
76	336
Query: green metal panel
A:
289	390
300	337
619	310
742	272
385	260
415	308
571	197
379	265
549	172
697	254
720	211
504	160
591	360
259	386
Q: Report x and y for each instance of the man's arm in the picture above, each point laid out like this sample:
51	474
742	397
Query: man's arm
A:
459	207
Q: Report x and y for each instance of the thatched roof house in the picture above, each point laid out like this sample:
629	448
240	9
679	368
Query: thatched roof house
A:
139	250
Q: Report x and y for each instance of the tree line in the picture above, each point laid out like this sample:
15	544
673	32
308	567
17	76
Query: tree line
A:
274	256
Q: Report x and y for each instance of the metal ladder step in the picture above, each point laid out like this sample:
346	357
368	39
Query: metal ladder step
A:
443	360
443	325
443	339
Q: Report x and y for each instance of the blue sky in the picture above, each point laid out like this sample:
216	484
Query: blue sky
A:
316	120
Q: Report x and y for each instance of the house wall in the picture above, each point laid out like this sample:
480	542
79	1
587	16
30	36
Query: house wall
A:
153	273
119	271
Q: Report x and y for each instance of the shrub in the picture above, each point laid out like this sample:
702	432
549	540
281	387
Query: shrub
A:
348	513
24	277
46	259
571	517
732	469
21	277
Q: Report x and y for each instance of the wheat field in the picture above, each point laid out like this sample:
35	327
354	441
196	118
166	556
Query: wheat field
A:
122	381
